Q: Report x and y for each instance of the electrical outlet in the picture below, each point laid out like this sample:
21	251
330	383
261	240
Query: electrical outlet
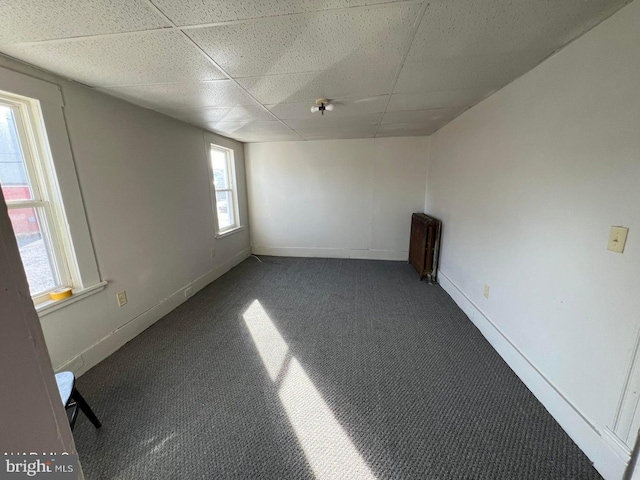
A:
188	292
122	298
213	252
617	239
487	288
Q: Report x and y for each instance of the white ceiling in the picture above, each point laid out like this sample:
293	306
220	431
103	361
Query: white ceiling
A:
251	69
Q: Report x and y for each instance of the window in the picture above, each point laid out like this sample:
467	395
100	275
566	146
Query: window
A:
40	186
25	178
224	187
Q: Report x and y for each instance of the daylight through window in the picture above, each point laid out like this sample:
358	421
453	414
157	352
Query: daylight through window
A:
224	184
26	180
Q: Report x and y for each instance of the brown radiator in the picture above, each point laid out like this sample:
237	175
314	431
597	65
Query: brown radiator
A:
424	245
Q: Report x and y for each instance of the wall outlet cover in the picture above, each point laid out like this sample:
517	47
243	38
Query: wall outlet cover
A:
122	298
487	289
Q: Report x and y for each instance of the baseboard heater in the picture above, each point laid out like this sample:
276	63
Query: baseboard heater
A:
424	246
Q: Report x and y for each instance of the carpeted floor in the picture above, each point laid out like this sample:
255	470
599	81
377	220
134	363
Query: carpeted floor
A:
341	369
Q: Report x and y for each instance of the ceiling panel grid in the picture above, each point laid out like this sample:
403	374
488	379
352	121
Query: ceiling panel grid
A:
251	69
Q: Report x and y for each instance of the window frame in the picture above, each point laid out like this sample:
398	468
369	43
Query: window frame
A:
233	188
57	166
43	188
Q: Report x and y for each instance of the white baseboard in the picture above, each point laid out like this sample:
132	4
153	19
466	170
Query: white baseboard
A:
616	443
116	339
362	254
607	456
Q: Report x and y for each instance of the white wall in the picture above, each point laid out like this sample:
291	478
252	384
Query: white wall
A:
528	184
336	198
31	413
145	183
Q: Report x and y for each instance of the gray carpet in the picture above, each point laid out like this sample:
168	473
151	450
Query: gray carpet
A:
415	389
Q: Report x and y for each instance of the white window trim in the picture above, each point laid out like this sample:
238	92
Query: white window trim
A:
43	187
70	217
50	306
226	233
231	162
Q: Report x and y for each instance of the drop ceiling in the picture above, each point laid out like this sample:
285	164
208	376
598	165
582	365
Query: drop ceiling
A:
251	69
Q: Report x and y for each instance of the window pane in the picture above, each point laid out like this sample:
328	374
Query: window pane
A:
13	174
34	249
220	169
224	203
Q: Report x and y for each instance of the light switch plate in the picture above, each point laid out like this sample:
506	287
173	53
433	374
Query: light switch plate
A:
487	289
617	239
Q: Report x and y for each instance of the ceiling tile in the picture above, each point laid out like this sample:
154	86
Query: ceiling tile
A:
243	113
408	133
34	20
342	134
343	107
349	81
198	115
332	122
465	28
240	113
193	12
419	116
238	128
437	99
137	58
491	72
311	42
287	53
218	93
255	137
311	133
411	129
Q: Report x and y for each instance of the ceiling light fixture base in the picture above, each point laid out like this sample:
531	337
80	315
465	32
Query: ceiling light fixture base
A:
321	105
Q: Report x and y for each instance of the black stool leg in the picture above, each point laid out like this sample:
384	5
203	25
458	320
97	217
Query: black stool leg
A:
74	412
86	409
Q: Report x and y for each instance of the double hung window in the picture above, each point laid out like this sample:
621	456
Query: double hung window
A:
42	193
224	186
29	187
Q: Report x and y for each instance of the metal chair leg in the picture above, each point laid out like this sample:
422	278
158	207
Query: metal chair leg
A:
86	409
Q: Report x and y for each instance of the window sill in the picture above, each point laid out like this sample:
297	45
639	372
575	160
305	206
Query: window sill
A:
229	232
49	306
